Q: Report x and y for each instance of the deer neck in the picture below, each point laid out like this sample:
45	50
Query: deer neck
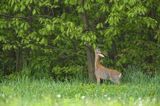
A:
97	58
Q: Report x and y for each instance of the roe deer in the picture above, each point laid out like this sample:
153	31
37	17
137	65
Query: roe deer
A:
104	73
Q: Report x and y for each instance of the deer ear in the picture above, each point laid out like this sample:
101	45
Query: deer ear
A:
101	55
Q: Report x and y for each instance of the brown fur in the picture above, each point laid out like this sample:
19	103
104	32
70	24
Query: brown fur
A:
102	72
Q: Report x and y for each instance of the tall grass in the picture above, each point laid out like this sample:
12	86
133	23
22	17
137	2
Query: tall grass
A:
136	89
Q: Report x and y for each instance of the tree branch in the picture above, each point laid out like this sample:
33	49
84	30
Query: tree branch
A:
24	17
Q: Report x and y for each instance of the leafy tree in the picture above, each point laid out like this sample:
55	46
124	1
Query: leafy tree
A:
54	34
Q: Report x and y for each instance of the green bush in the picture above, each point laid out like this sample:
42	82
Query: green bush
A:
133	74
66	72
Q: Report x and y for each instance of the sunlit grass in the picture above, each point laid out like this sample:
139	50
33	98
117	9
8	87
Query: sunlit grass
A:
26	92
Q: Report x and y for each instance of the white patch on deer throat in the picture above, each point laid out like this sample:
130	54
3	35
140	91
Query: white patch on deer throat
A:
101	55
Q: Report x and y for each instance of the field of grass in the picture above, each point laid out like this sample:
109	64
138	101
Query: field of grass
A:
27	92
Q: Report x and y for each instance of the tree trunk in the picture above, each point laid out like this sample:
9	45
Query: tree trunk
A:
89	48
19	59
90	62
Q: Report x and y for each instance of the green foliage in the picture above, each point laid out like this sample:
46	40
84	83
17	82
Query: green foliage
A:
68	72
131	35
48	34
135	75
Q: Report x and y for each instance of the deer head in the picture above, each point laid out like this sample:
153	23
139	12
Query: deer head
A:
98	53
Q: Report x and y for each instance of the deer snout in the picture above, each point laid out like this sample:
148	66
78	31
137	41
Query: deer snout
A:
101	55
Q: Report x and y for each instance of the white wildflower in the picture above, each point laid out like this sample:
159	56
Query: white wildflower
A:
109	98
82	97
139	98
105	95
58	96
3	95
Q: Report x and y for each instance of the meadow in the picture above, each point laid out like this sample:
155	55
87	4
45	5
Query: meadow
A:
25	91
48	52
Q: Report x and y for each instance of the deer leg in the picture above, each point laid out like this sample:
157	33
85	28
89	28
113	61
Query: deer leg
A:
117	82
98	80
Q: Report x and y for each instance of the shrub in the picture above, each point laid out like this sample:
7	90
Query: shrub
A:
66	72
134	74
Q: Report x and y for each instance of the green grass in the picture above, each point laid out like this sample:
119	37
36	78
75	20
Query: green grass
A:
26	92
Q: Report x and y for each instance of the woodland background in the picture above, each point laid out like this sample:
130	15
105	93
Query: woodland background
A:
56	38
